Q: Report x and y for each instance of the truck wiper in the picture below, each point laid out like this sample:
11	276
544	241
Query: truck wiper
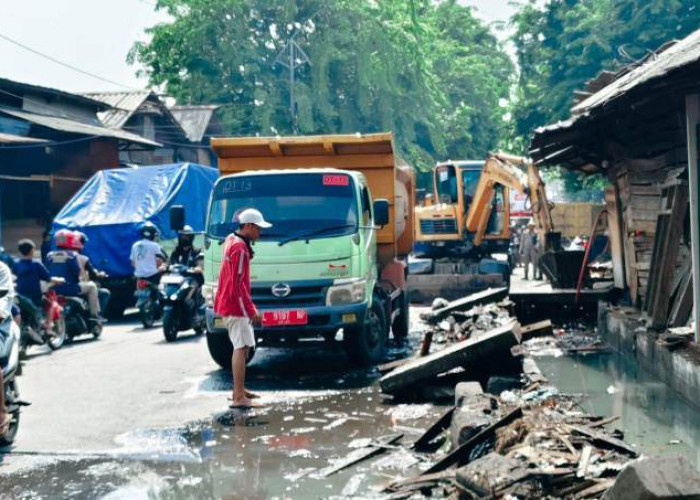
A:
314	232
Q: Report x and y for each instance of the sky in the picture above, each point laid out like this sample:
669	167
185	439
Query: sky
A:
95	37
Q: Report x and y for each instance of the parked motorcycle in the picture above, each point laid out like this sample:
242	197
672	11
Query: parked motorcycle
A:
76	315
148	302
181	306
9	363
47	329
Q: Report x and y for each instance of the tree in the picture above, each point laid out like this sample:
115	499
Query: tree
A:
416	67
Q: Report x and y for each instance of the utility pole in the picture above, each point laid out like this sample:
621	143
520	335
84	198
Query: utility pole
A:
292	57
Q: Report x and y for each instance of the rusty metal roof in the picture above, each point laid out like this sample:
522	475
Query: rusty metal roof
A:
194	119
123	105
74	127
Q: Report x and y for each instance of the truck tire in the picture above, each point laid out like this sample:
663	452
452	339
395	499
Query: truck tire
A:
401	324
221	350
365	344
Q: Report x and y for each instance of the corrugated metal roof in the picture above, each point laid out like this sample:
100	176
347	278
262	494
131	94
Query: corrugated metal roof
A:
685	52
123	104
37	89
194	120
74	127
18	139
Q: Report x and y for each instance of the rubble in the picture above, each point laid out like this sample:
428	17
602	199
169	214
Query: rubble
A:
656	478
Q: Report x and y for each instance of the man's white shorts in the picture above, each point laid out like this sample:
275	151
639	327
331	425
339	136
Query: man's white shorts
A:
240	331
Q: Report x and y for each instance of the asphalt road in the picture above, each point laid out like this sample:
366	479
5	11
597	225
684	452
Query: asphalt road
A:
131	416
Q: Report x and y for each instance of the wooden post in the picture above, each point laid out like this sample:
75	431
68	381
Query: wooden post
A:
692	113
612	202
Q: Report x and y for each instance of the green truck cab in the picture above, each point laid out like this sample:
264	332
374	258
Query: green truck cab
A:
323	266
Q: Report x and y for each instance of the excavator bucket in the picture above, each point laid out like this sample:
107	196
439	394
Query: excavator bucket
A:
561	267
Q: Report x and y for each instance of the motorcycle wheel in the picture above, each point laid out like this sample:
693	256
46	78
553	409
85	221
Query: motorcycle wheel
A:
96	330
148	314
171	325
59	334
9	438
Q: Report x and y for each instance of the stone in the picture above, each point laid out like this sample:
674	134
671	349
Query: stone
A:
498	384
474	415
658	477
465	390
486	475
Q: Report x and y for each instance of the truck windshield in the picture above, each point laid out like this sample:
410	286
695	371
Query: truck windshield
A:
323	204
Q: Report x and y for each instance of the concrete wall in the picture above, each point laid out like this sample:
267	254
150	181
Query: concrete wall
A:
624	329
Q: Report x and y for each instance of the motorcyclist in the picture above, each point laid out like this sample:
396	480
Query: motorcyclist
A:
88	272
147	256
64	263
30	276
6	304
186	254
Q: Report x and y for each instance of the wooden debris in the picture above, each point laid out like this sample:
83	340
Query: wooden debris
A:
604	421
583	461
606	441
442	424
363	454
419	482
539	329
466	303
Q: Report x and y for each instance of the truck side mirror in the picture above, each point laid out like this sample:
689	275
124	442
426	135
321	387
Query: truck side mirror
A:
381	212
177	217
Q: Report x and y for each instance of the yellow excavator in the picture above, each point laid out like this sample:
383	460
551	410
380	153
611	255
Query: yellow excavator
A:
464	226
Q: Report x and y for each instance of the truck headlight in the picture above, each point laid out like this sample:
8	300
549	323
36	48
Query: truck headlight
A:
208	292
347	291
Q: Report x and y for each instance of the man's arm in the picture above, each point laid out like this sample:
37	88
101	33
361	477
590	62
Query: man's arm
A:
240	261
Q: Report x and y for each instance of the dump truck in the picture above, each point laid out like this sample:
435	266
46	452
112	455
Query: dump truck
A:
341	208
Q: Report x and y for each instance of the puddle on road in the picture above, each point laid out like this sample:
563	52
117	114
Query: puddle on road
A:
653	417
316	407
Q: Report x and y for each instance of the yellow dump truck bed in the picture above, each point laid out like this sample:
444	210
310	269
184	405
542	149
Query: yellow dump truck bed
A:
371	154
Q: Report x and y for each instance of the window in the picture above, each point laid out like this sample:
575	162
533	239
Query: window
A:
366	207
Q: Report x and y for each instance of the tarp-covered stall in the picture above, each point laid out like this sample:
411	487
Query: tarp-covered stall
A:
113	204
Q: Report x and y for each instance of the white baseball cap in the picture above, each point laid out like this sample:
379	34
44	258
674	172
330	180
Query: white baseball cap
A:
252	216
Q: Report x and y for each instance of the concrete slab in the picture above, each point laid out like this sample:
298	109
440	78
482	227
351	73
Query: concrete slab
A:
468	352
656	478
467	302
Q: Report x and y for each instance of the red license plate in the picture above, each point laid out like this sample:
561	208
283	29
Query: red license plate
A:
291	317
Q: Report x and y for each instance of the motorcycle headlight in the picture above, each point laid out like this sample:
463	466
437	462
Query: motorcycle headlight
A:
208	292
347	291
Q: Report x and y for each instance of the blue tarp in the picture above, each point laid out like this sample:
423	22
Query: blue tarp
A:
112	205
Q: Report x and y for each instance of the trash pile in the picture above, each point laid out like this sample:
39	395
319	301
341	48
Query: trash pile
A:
519	440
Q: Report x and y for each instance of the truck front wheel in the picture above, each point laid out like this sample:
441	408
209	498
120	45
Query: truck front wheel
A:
365	344
221	350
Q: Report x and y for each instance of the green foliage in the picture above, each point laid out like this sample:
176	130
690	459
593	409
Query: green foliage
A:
560	44
428	71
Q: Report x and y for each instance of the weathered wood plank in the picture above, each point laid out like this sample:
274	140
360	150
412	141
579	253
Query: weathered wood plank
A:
466	303
361	455
539	329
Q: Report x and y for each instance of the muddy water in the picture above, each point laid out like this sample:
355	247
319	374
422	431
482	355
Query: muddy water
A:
652	416
318	409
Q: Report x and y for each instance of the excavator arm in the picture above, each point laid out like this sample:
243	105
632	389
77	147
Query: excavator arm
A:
505	169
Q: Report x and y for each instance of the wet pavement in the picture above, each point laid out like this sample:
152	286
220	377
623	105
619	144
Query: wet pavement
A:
317	410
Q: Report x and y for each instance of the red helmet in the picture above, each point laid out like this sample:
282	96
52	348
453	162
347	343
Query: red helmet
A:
68	240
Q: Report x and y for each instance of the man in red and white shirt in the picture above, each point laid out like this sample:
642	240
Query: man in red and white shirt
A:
233	300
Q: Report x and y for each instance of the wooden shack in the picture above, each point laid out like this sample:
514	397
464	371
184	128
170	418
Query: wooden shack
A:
639	128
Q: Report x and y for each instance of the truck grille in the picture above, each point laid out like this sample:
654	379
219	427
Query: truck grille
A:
438	226
306	295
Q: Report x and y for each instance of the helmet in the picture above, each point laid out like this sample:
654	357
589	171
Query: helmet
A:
185	236
67	240
149	230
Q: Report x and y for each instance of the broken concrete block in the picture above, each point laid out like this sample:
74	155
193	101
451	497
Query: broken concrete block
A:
475	350
659	477
472	417
486	475
465	390
466	303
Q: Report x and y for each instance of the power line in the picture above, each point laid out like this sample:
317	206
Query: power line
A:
61	63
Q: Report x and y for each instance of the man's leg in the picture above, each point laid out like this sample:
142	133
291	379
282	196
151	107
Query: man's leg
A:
4	420
238	365
89	289
526	266
104	295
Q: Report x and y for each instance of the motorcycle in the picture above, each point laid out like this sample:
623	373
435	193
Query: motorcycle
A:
76	315
148	302
181	309
9	363
48	329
